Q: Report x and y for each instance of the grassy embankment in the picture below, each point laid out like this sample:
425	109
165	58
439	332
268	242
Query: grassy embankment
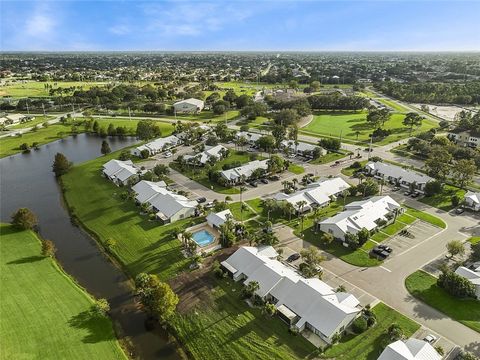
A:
146	246
45	314
424	287
352	126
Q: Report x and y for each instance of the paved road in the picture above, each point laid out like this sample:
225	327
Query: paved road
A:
387	282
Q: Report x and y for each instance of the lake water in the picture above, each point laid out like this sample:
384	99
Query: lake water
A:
27	180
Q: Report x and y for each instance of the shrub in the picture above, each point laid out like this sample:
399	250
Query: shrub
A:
433	188
359	325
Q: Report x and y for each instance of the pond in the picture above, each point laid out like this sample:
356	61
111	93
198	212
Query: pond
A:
26	180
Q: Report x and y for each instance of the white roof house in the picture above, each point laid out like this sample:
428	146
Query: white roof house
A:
189	105
391	172
472	275
168	205
157	145
204	156
317	194
14	118
250	136
411	349
358	215
216	220
300	147
472	200
120	171
304	303
235	174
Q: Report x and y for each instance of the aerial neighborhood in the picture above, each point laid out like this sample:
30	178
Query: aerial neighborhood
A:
236	205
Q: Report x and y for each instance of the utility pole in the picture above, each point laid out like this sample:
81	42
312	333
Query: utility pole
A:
73	110
370	147
28	111
129	113
43	107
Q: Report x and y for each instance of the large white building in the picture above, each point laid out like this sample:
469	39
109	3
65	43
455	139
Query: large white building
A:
189	106
157	146
235	175
251	137
360	214
411	349
317	194
214	152
302	303
472	200
10	119
167	205
120	172
301	148
471	274
396	174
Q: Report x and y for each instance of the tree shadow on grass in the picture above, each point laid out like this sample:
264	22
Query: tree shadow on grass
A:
26	260
96	326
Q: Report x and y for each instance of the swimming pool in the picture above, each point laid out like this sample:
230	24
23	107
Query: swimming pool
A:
203	237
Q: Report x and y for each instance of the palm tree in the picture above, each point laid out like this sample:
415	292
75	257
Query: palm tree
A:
300	205
360	178
290	209
242	189
186	237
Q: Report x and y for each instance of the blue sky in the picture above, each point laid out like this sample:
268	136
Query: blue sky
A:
240	25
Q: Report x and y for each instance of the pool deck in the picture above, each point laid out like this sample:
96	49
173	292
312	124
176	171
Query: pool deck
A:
214	245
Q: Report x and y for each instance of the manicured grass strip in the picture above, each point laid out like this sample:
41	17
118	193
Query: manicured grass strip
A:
330	157
227	328
256	205
426	217
474	240
424	287
370	344
443	200
141	245
10	145
296	169
235	208
379	236
45	315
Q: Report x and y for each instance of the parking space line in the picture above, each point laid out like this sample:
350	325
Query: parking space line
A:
384	268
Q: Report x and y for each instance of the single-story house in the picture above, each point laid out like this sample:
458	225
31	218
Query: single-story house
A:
10	119
235	175
205	156
472	200
465	138
120	172
189	106
302	303
361	214
472	275
215	220
167	205
317	194
250	136
396	174
145	190
157	146
300	148
411	349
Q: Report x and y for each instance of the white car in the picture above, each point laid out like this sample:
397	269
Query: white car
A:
167	154
430	338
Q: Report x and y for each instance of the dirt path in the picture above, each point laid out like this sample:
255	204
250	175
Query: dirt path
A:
305	121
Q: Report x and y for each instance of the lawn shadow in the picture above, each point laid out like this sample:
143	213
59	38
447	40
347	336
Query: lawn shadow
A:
26	260
94	324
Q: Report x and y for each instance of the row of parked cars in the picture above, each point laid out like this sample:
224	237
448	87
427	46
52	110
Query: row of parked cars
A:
254	183
381	251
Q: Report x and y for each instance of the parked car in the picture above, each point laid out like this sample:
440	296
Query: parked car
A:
253	183
209	205
385	248
415	194
167	154
380	253
293	257
407	193
430	338
459	210
201	200
274	177
264	181
396	188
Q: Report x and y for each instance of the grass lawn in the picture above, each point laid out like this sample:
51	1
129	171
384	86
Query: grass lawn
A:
10	145
443	201
200	175
435	221
370	344
45	315
37	88
474	240
141	245
330	157
347	123
424	287
131	125
227	328
256	205
235	208
349	170
208	115
296	169
394	105
39	120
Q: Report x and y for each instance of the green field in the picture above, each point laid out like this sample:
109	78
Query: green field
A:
346	124
238	214
393	104
37	89
45	315
443	200
296	169
424	287
9	145
207	116
370	344
225	327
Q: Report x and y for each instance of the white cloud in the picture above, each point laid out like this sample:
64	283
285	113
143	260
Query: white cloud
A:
120	29
40	23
